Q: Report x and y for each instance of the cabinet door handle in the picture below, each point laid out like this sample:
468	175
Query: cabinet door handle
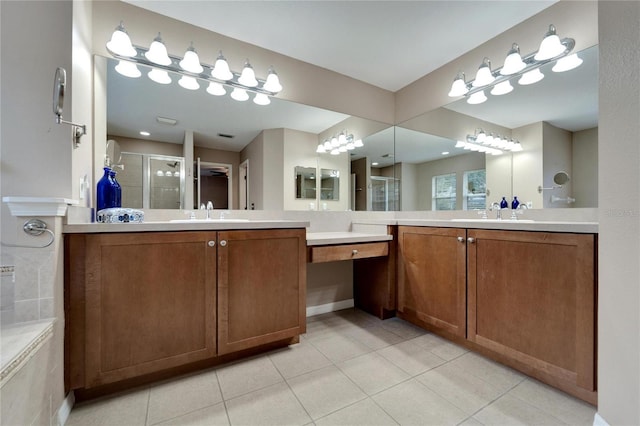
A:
223	243
211	243
471	240
354	252
461	239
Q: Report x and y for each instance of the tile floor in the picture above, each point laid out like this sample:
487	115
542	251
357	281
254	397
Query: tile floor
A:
349	369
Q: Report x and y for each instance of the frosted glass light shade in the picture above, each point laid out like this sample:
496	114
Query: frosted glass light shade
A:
239	94
120	42
261	99
550	46
482	136
350	146
335	151
517	147
484	75
531	77
327	145
191	61
358	143
334	142
159	76
502	88
342	139
320	149
157	52
567	63
221	69
477	98
273	82
248	76
189	83
128	69
216	89
513	63
459	86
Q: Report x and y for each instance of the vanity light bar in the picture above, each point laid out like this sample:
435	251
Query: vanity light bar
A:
336	145
490	144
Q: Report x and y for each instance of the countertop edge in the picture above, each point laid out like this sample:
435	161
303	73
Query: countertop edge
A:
548	226
335	238
96	228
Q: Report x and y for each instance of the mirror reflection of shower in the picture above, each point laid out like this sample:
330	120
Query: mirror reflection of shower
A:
152	181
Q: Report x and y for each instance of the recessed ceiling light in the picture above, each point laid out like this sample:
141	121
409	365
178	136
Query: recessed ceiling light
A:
143	133
445	152
168	121
374	164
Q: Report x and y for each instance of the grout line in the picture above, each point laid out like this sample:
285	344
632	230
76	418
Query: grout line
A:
226	410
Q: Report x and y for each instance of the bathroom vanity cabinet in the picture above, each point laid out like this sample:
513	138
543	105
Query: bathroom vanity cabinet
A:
144	302
527	299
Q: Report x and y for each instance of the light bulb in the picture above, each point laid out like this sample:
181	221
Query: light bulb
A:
513	63
191	62
221	69
531	77
484	75
159	173
550	46
216	89
157	52
189	83
239	94
159	76
261	99
128	69
502	88
248	76
459	86
120	43
567	63
273	82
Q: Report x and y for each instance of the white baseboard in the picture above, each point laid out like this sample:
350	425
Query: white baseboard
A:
65	408
329	307
599	421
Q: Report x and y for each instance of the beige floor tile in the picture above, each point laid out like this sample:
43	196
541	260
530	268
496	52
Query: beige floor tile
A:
402	328
339	347
439	346
500	376
247	376
509	410
358	317
470	422
363	413
298	359
183	395
324	391
274	405
215	415
465	391
411	403
126	409
565	407
411	358
375	337
373	373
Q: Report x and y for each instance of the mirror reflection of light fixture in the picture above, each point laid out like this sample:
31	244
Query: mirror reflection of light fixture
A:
525	68
190	69
489	143
338	144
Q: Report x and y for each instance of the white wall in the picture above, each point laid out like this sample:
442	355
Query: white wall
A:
527	164
556	157
299	150
619	213
254	152
585	168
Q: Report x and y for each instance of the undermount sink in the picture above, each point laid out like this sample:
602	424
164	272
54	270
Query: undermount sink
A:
494	220
208	220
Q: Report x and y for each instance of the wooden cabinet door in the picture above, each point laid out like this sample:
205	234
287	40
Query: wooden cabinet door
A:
261	287
531	297
150	303
431	276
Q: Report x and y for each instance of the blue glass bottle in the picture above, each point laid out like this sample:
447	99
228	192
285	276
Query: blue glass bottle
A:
104	193
504	204
117	190
515	203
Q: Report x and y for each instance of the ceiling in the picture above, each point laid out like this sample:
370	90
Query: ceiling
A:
389	44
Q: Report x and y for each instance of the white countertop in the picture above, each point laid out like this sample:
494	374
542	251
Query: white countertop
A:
508	225
221	225
331	238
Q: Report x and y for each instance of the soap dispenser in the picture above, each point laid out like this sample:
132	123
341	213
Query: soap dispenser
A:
515	203
504	204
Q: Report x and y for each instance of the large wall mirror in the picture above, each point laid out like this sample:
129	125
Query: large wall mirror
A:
273	145
556	122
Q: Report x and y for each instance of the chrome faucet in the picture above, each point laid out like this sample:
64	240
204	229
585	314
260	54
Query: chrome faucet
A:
519	210
207	208
496	206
